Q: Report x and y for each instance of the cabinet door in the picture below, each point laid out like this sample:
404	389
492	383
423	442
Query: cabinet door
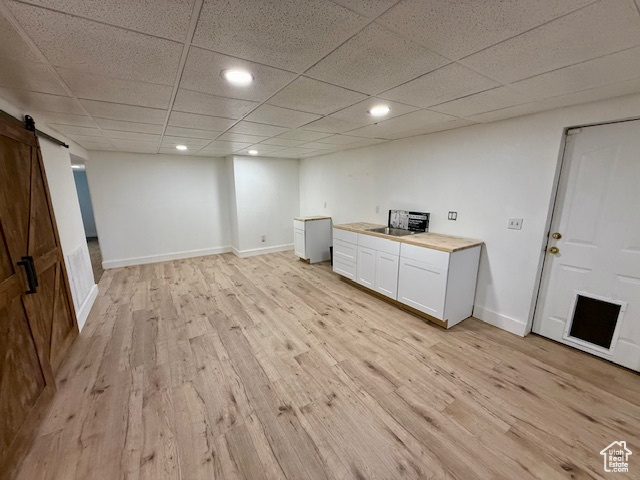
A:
298	243
387	274
366	267
422	286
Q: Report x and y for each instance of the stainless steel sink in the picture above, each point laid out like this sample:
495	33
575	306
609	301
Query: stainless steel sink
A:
396	232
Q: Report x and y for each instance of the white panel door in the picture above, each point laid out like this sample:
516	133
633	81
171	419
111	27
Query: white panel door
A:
387	274
299	243
597	217
366	269
422	286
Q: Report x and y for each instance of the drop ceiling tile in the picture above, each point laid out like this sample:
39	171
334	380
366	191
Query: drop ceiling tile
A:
162	18
604	27
201	122
41	101
593	94
121	125
29	75
251	128
289	34
76	130
196	102
340	140
63	119
445	84
438	127
221	144
613	68
318	145
212	153
128	113
203	73
122	143
134	149
87	138
191	132
456	29
330	124
107	89
117	134
170	150
293	152
510	112
72	42
486	101
367	142
12	45
359	113
241	137
421	119
262	148
303	135
309	95
98	147
282	117
367	8
192	143
376	59
281	142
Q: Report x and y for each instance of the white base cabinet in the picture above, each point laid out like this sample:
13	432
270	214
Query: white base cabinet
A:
387	274
312	238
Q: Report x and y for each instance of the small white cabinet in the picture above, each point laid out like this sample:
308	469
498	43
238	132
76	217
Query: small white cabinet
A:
345	253
378	260
387	274
366	267
312	238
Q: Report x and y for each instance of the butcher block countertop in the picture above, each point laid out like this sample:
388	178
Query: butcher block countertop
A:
436	241
311	219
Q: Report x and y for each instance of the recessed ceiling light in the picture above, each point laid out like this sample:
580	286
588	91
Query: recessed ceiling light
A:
379	110
241	78
253	152
182	148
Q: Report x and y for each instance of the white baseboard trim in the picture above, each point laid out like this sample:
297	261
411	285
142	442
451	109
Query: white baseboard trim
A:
261	251
127	262
83	312
501	321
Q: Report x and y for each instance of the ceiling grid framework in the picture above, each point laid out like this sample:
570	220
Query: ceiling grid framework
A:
145	75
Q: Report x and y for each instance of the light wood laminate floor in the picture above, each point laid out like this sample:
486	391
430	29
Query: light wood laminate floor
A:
269	368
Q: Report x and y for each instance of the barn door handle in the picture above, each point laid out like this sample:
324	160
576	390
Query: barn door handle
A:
27	263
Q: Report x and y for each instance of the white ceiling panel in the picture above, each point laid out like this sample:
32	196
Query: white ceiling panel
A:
203	73
375	60
445	84
108	124
459	28
222	144
509	112
128	113
421	119
359	113
106	89
330	124
309	95
41	101
261	129
367	8
262	148
191	132
604	27
192	143
241	137
12	45
289	34
303	135
202	103
486	101
594	94
124	143
63	119
213	153
134	149
282	142
201	122
340	140
437	127
614	68
293	152
162	18
83	45
143	137
170	150
282	117
318	145
29	75
76	130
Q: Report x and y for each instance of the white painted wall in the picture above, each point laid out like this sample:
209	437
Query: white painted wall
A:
266	200
487	173
152	208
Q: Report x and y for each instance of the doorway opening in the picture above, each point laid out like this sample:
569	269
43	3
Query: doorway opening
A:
88	219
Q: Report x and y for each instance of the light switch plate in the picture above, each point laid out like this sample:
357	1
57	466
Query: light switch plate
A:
515	223
453	216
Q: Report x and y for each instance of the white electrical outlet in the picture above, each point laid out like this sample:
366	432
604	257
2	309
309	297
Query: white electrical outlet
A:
515	223
263	238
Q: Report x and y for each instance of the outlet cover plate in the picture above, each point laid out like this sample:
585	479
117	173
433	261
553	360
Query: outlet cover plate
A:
515	224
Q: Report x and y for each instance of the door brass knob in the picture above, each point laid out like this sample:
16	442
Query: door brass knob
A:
557	236
554	250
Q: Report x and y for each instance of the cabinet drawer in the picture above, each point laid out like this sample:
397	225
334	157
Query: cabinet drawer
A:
379	244
345	236
345	251
427	255
298	224
344	268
